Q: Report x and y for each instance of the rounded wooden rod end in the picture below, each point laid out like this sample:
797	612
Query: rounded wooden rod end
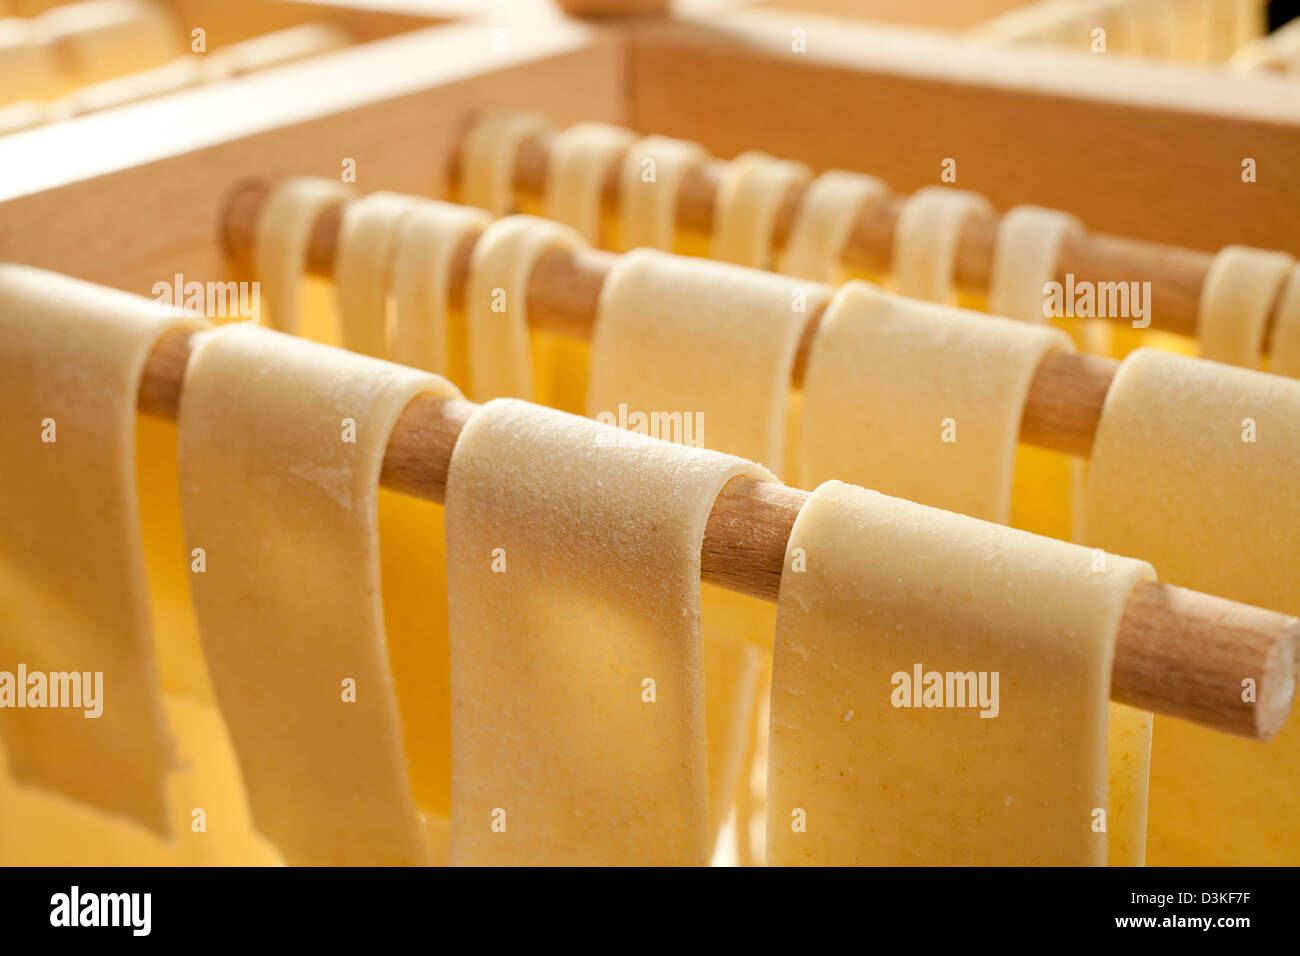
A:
1206	659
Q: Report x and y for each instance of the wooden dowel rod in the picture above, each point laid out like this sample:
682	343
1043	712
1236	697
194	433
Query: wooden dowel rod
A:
1176	273
1061	411
1179	652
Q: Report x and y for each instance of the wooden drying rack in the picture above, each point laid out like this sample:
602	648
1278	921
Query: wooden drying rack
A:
1179	652
1062	409
1177	274
1147	150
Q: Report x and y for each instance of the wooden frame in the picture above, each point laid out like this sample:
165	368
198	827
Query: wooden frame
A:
1149	150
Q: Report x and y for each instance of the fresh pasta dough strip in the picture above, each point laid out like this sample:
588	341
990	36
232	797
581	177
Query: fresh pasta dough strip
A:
749	197
281	444
824	221
1025	254
280	239
425	248
1284	346
650	181
1238	294
28	67
1185	473
925	240
414	574
862	770
578	708
1251	21
496	302
1181	436
706	341
362	261
106	40
919	400
73	592
581	157
487	159
701	352
1123	26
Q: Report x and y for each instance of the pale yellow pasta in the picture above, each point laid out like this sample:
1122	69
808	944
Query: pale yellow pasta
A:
650	181
919	400
425	247
280	240
751	193
580	159
925	240
496	303
689	343
824	221
281	445
487	159
1236	300
873	761
362	265
73	591
1284	344
1185	473
1025	253
578	734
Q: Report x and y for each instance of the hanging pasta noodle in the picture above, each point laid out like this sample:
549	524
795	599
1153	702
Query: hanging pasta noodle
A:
1238	295
496	303
1025	254
209	820
1184	472
867	767
281	443
487	159
280	238
690	336
430	238
580	160
1192	31
103	39
573	555
413	573
925	240
750	196
679	341
73	591
1123	26
366	242
945	388
824	221
650	182
28	68
1284	346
